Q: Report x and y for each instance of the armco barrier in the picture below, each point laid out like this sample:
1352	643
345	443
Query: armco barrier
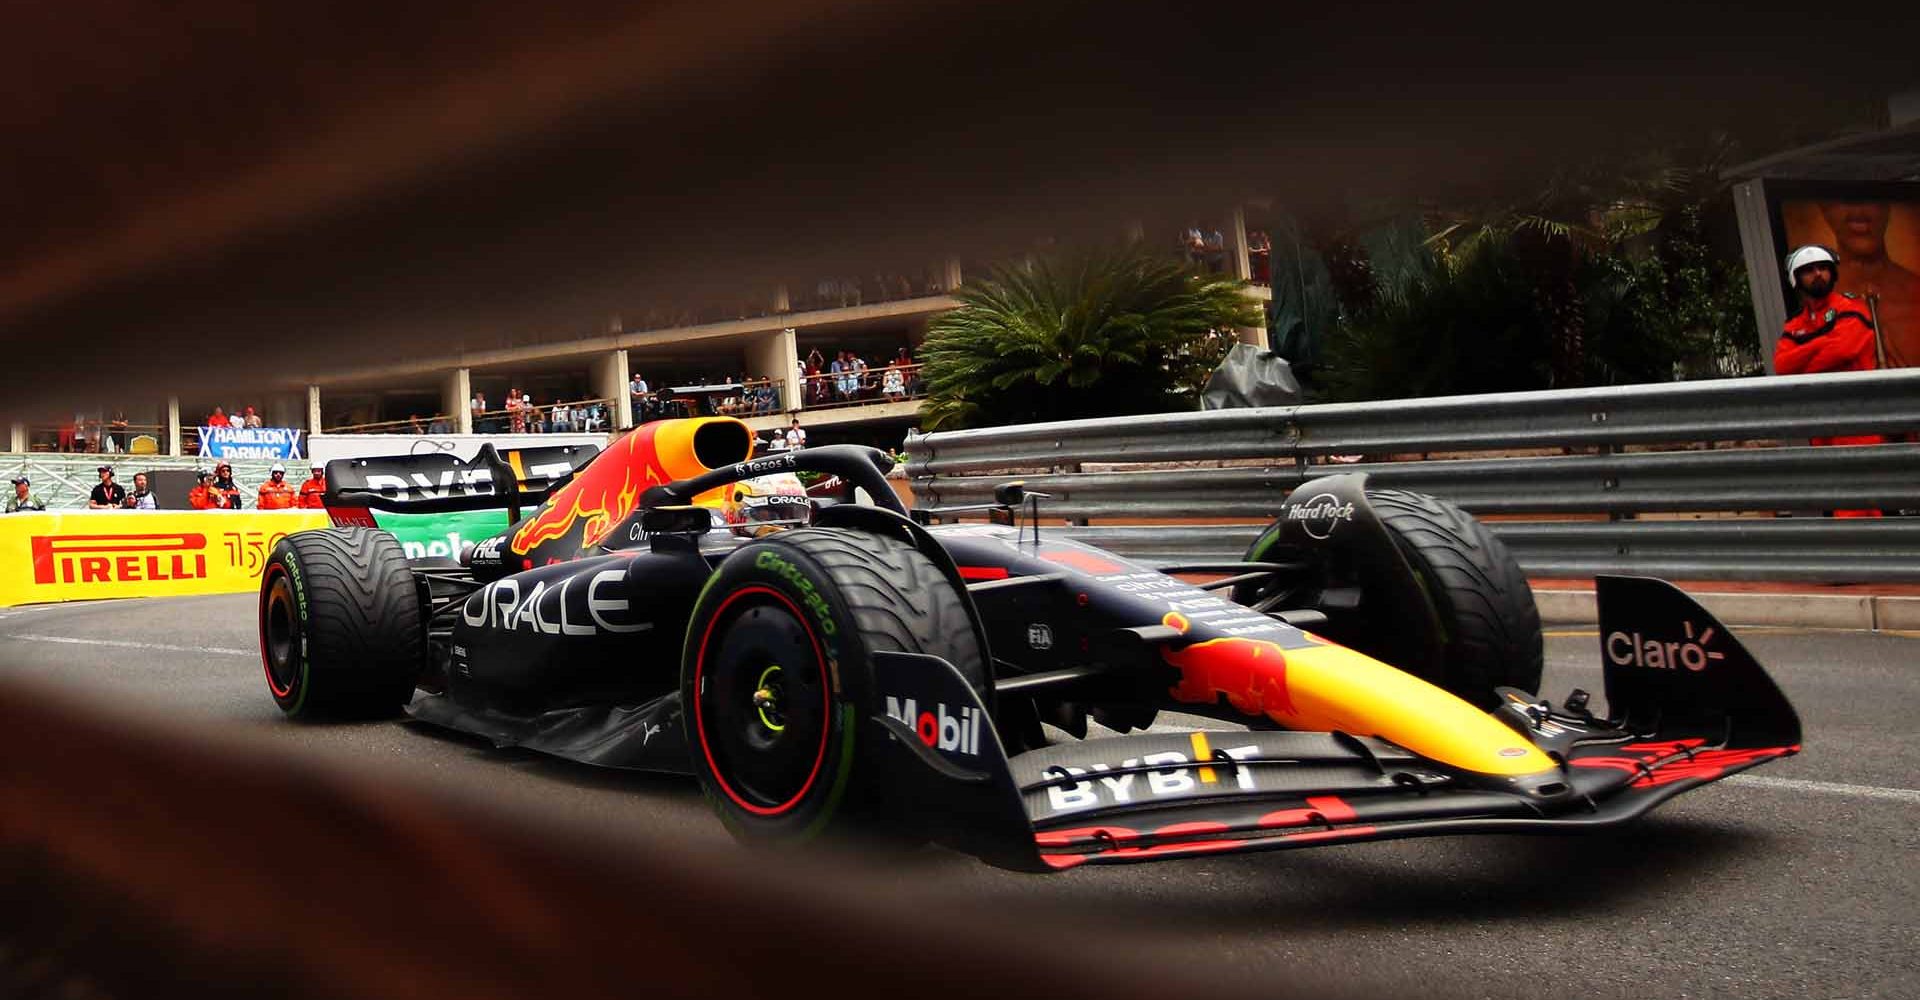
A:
82	555
1735	446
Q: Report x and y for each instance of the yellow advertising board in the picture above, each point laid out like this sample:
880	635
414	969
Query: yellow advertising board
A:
85	555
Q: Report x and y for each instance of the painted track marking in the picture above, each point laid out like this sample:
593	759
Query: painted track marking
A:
1907	795
129	644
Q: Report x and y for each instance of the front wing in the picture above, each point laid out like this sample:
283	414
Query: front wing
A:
1688	706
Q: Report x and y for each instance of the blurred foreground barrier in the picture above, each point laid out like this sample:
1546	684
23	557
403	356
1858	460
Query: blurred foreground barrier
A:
1729	447
142	861
83	555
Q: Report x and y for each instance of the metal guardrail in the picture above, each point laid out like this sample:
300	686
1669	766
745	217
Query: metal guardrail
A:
65	481
1586	512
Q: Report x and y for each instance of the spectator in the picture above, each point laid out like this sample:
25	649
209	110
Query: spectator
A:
562	418
813	387
516	411
251	419
842	371
23	498
313	492
117	431
141	498
203	496
237	421
439	425
893	384
638	394
414	425
861	380
109	495
275	494
478	410
224	488
796	437
778	442
218	418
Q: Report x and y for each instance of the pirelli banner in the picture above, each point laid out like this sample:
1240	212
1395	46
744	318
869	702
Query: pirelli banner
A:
86	555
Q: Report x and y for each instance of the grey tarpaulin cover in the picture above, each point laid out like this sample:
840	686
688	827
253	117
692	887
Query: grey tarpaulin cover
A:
1249	376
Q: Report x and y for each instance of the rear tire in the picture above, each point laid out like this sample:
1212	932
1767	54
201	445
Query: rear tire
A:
341	632
1487	616
775	679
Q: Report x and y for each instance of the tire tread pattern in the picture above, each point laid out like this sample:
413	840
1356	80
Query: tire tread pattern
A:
365	638
1493	627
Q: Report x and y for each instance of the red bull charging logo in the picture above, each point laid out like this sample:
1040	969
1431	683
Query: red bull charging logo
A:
600	496
1251	673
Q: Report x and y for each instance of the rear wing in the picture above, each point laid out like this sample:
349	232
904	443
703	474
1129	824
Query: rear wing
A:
441	482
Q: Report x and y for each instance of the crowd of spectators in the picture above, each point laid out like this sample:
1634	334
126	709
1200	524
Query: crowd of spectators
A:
1207	250
849	378
521	413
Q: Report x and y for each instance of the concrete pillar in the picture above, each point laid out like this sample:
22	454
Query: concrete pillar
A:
781	301
774	356
1238	263
17	437
455	394
1136	231
313	410
173	425
950	275
607	375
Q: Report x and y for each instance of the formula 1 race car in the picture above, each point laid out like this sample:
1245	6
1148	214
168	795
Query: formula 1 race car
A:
866	668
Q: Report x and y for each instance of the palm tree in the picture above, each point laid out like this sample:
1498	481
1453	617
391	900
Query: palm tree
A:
1098	333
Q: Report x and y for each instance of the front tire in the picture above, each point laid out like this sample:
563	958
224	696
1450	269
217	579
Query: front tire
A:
1490	628
341	633
1487	614
775	679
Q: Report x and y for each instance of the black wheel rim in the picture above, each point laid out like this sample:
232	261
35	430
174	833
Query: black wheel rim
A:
763	710
279	633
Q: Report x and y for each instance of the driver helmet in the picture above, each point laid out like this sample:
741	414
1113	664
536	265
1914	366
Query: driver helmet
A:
754	509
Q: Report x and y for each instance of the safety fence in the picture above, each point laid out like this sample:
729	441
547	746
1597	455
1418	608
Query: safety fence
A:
65	481
1699	480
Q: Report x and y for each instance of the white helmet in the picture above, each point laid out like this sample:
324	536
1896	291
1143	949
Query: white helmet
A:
1812	253
277	467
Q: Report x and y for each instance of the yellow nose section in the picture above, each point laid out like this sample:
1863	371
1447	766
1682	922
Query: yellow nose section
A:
1325	688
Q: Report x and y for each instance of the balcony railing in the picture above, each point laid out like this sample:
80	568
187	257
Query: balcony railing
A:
567	416
94	436
889	384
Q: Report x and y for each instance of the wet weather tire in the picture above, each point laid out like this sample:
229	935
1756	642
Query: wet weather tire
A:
776	675
341	632
1488	619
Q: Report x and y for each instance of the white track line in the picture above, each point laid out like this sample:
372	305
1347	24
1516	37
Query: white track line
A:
1907	795
127	644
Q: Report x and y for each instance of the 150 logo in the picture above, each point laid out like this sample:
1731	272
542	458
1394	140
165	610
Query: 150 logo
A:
1633	649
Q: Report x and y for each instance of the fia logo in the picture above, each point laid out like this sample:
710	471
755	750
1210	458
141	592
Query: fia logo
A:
1039	636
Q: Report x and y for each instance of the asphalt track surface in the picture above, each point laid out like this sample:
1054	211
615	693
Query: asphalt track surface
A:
1799	880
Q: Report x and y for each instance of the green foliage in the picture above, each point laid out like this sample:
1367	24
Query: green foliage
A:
1470	328
1603	274
1099	333
1677	312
